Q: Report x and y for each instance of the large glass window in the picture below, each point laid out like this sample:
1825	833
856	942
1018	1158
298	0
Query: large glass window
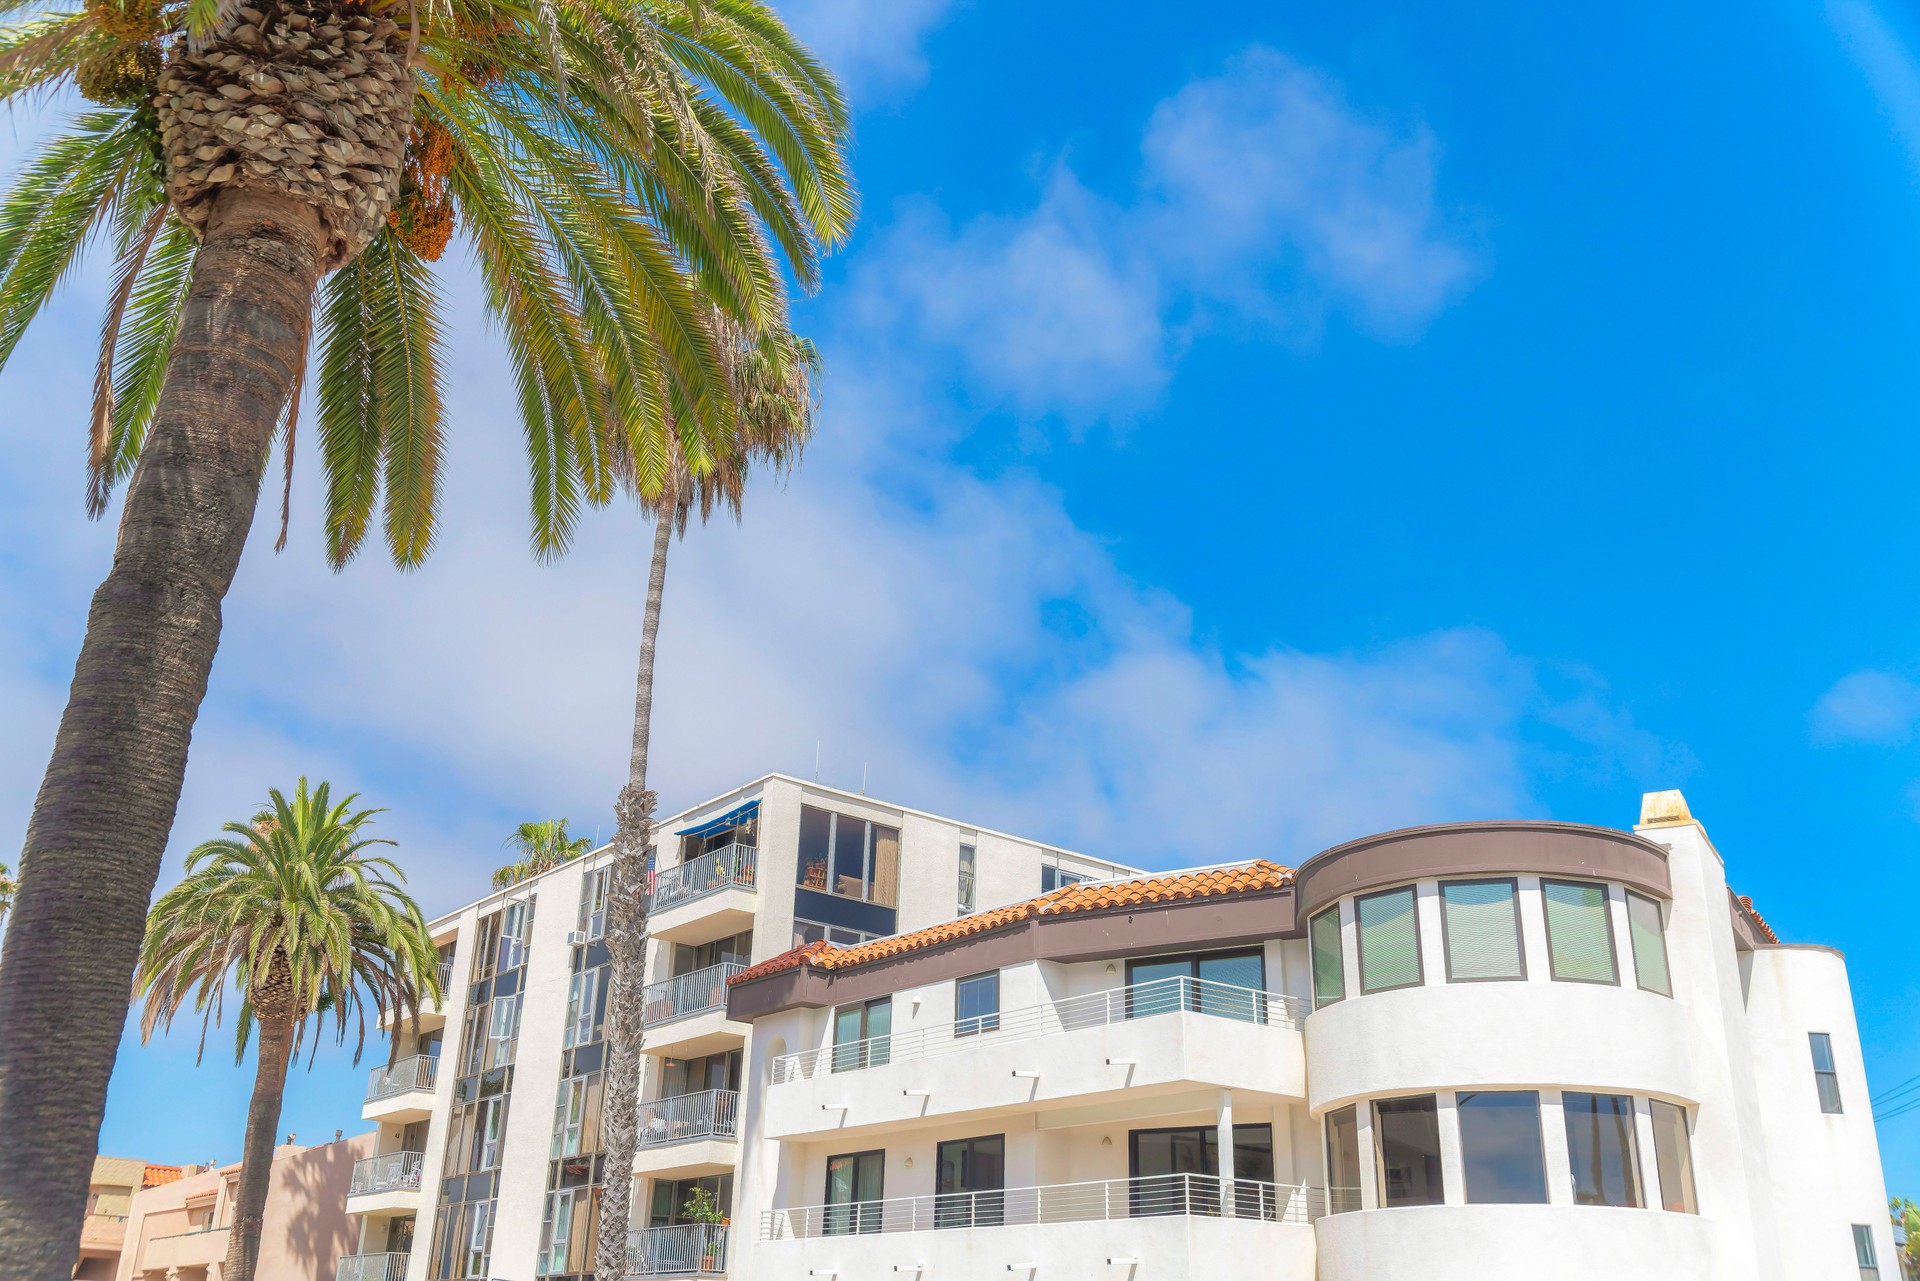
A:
1329	966
503	1026
1343	1159
1864	1253
1825	1079
479	1244
1601	1149
584	1008
976	1003
1225	984
1177	1171
1673	1157
1648	929
849	857
1480	923
593	902
855	1186
1055	878
1406	1150
1389	940
576	1121
860	1035
514	923
970	1182
1579	932
1500	1147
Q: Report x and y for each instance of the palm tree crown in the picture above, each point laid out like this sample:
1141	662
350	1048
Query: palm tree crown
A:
6	891
542	846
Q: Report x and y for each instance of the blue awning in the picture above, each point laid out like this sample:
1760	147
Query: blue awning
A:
732	818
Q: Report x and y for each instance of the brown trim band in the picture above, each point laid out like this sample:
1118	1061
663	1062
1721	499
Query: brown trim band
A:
1482	849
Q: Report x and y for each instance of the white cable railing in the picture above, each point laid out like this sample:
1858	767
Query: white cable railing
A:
1096	1009
1153	1196
372	1267
415	1073
689	994
709	874
682	1250
710	1114
388	1172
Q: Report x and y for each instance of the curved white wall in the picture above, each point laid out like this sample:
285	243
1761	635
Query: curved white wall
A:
1478	1242
1455	1035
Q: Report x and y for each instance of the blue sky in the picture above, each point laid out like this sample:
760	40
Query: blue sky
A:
1242	432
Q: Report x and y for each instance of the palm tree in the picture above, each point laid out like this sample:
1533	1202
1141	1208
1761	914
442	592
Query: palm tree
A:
542	846
305	924
773	376
621	171
7	887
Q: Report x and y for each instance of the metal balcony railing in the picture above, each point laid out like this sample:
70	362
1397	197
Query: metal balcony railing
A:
1096	1009
689	994
446	975
372	1267
683	1250
1151	1197
710	1114
709	874
415	1073
388	1172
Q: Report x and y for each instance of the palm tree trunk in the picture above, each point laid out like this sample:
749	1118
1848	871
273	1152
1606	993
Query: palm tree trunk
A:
256	1160
627	941
101	820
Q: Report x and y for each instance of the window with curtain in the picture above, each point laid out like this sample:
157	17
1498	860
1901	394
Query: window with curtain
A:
1329	966
1389	940
976	1003
1648	928
1673	1157
1825	1079
1343	1159
1406	1150
860	1035
967	856
855	1186
1579	932
1480	924
1864	1253
1500	1147
1601	1149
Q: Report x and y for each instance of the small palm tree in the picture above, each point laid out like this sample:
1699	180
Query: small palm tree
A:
773	376
542	846
7	885
294	913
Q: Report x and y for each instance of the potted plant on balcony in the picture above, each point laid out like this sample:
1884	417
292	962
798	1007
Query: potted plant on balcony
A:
703	1207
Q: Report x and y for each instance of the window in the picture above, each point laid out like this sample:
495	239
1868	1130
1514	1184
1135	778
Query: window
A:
856	1183
584	1008
971	1177
1343	1159
1329	967
1579	933
514	921
1673	1158
479	1241
565	1227
1177	1171
976	1001
503	1024
849	857
1863	1252
1389	940
1601	1149
805	932
1225	984
967	857
488	1125
1406	1151
593	902
668	1204
1647	931
1501	1149
1054	878
1825	1079
1480	923
860	1035
576	1121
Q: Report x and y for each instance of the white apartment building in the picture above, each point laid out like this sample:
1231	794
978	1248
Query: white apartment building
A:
1471	1052
489	1151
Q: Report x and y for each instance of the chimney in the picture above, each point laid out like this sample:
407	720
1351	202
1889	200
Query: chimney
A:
1664	809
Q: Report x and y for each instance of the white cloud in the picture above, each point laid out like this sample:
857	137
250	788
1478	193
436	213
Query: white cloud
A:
1887	60
875	46
1263	193
1866	707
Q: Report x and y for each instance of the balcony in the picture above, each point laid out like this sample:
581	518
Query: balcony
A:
433	1013
1169	1226
402	1092
706	898
689	1135
686	1016
372	1267
683	1250
1077	1061
197	1248
387	1183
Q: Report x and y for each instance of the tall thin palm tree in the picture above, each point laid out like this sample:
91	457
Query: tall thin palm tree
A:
294	913
542	845
773	376
270	171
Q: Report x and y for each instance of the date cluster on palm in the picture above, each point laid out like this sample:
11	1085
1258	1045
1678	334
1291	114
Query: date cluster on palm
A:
304	99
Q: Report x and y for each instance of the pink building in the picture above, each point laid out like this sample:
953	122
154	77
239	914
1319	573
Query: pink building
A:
178	1231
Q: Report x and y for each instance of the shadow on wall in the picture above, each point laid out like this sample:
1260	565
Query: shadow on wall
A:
307	1228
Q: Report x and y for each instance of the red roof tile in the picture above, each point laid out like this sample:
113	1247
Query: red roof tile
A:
1766	931
159	1174
1091	896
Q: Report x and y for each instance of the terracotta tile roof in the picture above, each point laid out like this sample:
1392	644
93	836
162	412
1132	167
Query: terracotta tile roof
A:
159	1174
1092	896
1766	931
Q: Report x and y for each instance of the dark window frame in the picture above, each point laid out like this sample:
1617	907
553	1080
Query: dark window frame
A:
858	1219
1630	1165
974	1024
1666	955
1866	1255
1467	1161
1685	1167
1519	931
1379	1154
1613	944
1826	1080
1419	942
1339	954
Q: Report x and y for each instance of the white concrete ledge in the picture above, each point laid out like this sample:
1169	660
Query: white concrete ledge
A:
1478	1242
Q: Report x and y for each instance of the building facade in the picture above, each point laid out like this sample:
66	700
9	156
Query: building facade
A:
488	1157
1474	1051
110	1191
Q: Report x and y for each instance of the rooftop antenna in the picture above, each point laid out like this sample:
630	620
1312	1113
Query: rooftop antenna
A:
816	760
863	778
